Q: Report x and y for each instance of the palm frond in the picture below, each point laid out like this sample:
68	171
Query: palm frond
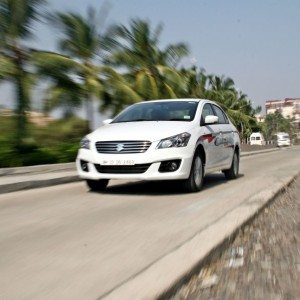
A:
17	17
8	69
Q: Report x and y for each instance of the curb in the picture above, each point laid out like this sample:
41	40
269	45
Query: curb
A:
227	240
37	169
60	179
32	184
163	278
250	153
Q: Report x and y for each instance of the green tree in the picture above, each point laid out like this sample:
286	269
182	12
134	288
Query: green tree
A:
16	22
150	70
76	74
275	123
75	77
222	90
196	83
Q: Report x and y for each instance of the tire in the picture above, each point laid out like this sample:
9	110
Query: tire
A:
195	181
233	172
97	185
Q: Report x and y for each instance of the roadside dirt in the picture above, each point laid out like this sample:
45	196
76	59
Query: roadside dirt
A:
263	261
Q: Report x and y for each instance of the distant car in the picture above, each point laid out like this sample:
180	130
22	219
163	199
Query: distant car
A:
256	138
180	139
282	139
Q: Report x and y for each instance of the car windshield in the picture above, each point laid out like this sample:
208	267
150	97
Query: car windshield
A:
159	111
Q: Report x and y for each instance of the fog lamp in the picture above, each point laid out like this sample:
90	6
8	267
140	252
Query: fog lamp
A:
169	166
84	165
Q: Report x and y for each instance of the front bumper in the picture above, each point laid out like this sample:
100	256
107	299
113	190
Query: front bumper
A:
151	156
283	143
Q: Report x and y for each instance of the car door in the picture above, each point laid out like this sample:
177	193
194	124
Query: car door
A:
210	138
226	135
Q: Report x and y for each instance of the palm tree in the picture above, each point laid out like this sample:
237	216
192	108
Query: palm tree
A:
16	21
196	83
76	75
150	70
73	72
221	83
222	90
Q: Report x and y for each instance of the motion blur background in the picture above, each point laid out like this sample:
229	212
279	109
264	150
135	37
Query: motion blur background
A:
66	65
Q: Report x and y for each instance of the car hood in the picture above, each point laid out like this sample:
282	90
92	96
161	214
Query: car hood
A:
145	130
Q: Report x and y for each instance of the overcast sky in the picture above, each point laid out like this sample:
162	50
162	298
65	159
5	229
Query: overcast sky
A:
255	42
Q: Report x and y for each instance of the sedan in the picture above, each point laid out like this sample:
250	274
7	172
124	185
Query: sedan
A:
182	140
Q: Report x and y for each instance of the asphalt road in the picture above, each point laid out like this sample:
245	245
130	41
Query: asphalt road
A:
64	242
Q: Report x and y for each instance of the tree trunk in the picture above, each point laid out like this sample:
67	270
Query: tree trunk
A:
88	100
22	99
22	105
89	107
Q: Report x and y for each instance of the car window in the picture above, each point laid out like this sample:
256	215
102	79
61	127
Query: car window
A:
258	138
226	118
159	111
219	113
206	111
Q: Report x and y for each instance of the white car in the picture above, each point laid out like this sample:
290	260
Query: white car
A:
181	139
283	139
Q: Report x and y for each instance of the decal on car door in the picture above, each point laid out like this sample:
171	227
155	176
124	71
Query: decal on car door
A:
207	137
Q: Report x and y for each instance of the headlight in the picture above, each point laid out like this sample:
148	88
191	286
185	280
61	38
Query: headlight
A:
180	140
85	143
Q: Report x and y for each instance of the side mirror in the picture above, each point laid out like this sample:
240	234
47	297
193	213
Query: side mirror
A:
211	120
107	121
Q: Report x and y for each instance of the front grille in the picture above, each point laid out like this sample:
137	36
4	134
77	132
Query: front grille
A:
134	169
122	147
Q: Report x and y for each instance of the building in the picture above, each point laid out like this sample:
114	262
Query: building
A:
289	108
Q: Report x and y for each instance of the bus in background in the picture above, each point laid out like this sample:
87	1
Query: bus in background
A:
256	138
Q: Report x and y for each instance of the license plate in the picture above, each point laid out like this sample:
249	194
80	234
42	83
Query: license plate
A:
117	162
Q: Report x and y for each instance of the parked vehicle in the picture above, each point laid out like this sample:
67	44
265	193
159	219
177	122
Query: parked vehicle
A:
180	139
256	138
282	139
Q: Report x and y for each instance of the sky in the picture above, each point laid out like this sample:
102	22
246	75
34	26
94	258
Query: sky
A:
255	42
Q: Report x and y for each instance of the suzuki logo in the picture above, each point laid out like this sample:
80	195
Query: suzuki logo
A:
120	147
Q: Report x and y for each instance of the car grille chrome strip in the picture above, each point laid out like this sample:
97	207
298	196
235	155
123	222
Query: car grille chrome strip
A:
122	147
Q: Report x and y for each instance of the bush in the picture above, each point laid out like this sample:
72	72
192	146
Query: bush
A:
56	143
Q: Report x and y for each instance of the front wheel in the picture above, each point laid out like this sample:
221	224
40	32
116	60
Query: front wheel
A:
195	181
97	185
233	172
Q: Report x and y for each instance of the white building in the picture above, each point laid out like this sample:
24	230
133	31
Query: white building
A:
289	107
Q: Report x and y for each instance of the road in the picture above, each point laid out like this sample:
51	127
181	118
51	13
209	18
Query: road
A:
64	242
